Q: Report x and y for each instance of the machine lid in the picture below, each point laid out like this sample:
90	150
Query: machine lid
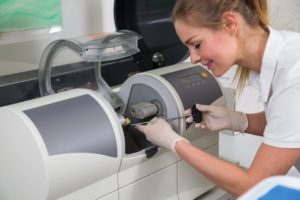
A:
160	45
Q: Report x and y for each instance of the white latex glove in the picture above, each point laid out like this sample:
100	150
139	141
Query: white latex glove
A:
217	118
160	132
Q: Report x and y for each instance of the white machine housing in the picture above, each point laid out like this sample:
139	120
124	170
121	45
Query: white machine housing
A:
53	146
71	145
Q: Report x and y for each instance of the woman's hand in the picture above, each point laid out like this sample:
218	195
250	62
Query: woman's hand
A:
217	118
160	132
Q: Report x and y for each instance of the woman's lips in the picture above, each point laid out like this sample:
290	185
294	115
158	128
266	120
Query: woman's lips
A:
209	65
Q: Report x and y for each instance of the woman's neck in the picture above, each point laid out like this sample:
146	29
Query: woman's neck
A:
253	44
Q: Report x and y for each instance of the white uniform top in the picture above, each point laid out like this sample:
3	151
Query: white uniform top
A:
279	85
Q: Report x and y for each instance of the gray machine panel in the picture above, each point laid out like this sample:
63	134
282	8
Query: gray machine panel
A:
76	125
194	85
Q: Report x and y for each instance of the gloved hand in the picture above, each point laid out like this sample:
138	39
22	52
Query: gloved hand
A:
217	118
160	132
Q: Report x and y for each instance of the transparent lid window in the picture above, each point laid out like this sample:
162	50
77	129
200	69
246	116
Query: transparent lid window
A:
106	46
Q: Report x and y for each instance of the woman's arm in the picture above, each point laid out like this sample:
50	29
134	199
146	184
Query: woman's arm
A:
269	161
256	123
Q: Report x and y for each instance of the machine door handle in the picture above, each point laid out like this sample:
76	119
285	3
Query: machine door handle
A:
151	151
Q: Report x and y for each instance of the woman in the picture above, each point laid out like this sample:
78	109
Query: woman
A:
220	34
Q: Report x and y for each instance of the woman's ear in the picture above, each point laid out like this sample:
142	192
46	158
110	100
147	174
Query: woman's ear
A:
230	22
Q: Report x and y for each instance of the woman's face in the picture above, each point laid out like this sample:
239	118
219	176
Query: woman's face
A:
215	49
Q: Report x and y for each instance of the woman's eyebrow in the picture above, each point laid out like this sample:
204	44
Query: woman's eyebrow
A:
189	40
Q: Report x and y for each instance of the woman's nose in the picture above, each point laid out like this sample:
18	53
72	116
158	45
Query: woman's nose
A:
194	57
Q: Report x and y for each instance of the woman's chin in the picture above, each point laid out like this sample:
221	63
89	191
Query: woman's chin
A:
216	73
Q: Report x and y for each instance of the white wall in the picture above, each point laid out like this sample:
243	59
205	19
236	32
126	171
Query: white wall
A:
285	14
21	50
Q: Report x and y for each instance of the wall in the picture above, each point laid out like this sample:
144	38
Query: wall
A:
21	50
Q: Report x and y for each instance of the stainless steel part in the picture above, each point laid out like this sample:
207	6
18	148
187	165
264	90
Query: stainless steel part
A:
143	110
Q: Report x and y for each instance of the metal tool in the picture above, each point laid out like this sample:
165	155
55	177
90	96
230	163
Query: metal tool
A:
165	118
196	114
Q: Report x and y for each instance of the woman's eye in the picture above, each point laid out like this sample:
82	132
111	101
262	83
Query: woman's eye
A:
197	46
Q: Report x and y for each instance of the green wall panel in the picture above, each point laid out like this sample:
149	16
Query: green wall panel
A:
29	14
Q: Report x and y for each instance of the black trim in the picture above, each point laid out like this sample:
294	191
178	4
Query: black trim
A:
151	19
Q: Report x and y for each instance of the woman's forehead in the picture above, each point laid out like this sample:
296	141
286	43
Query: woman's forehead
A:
188	30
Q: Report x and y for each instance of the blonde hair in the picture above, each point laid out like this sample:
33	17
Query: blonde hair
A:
208	13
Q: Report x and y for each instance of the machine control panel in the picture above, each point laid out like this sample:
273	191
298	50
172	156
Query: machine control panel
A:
197	81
